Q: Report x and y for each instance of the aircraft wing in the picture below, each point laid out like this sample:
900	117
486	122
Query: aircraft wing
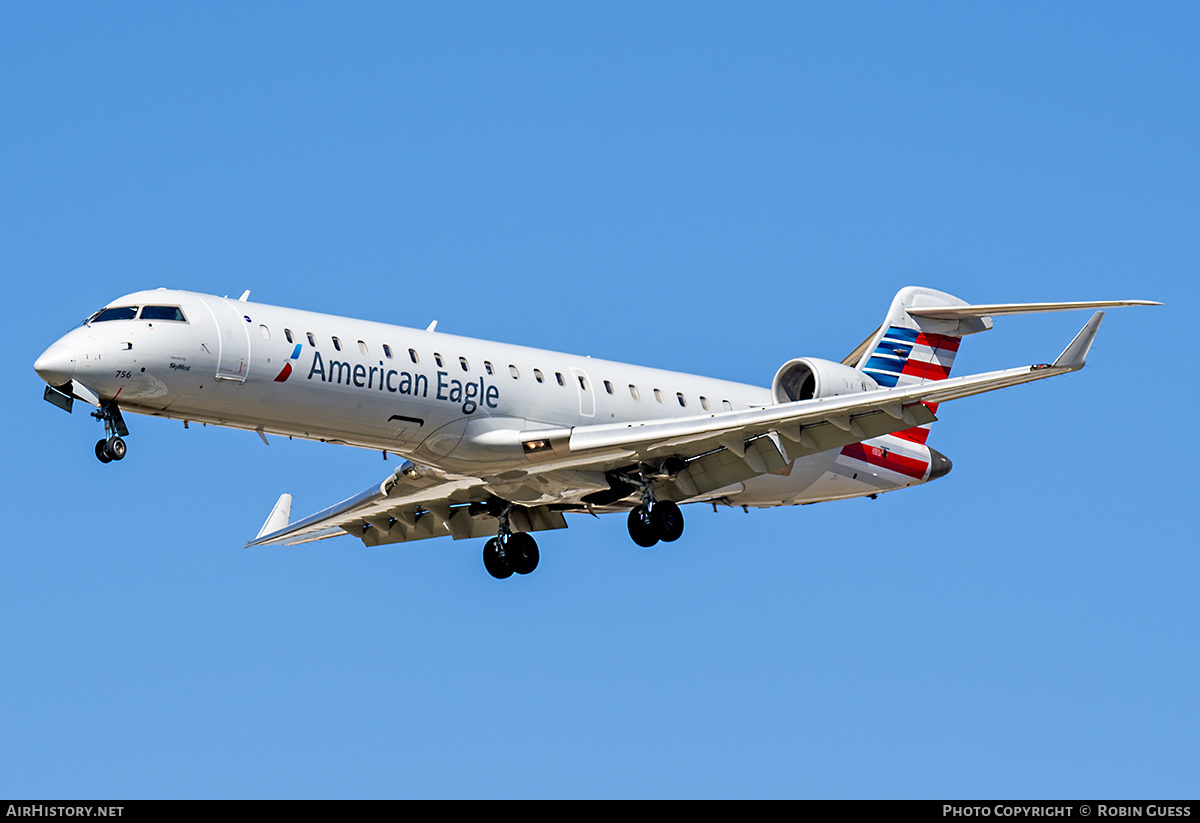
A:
792	429
709	451
414	503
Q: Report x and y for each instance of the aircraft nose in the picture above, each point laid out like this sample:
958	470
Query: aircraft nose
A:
939	464
56	365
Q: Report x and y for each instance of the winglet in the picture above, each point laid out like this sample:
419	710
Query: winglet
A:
1074	355
278	519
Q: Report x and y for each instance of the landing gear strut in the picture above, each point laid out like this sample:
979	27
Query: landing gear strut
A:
507	552
111	447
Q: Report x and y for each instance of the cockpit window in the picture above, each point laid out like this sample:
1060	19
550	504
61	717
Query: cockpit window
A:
163	313
116	313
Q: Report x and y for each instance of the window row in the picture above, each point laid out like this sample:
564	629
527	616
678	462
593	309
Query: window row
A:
387	350
680	397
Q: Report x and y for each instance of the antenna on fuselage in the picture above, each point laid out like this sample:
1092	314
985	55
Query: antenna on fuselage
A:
431	326
245	296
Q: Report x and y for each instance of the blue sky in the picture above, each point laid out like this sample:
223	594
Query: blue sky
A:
713	188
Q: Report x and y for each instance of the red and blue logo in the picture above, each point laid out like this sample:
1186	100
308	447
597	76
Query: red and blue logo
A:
286	372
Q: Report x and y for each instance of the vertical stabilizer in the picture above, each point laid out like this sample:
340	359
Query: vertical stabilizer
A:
909	350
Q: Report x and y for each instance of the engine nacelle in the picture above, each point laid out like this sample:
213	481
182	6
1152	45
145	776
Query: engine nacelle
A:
807	377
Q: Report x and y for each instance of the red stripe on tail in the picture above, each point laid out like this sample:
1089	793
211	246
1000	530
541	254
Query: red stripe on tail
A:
877	456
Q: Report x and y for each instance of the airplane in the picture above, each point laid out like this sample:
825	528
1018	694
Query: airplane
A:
499	441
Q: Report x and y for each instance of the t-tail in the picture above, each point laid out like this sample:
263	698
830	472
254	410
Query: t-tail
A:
920	338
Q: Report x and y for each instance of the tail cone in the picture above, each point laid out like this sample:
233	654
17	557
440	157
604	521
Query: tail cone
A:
939	464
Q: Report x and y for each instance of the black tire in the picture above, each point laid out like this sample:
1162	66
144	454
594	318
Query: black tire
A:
115	447
496	565
667	520
521	550
641	527
102	451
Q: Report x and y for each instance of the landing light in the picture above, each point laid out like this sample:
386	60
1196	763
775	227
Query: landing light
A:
535	446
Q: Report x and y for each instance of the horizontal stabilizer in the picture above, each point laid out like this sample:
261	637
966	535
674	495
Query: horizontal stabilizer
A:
994	309
278	519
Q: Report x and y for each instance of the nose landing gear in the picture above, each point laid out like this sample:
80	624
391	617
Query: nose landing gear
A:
111	447
108	450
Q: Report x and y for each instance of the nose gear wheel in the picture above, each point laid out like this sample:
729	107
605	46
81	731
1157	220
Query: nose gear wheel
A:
111	447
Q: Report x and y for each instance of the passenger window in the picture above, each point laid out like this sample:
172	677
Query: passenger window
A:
582	382
728	405
412	355
558	376
487	367
608	387
658	395
462	361
337	344
288	334
681	398
312	341
513	371
387	351
266	333
537	375
634	392
362	347
437	358
704	402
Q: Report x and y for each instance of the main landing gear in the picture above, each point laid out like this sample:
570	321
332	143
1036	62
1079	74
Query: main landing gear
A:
111	447
507	552
650	522
654	520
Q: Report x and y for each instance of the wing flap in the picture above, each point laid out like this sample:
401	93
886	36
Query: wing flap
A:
773	451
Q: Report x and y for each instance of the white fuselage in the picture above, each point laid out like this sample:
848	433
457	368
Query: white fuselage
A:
425	395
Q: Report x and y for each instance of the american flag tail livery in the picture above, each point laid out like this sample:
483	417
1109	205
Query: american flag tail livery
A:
912	349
